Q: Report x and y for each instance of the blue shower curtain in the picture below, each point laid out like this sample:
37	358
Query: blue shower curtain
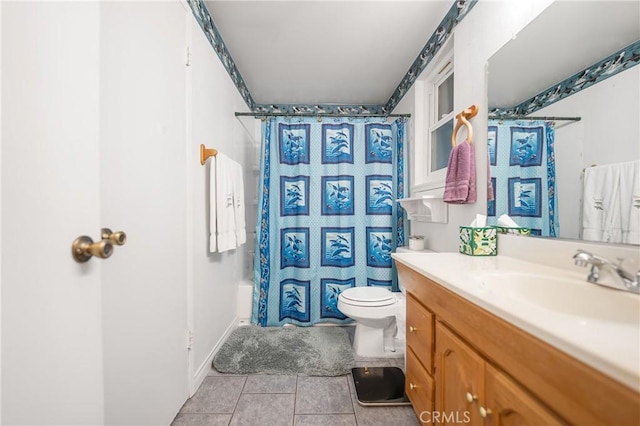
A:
327	215
523	174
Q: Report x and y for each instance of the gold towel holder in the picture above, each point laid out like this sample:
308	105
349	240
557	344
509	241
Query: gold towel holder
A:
205	153
462	118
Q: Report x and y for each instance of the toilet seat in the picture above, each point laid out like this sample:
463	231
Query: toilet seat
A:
368	297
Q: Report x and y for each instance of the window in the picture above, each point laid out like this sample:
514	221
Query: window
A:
441	127
433	134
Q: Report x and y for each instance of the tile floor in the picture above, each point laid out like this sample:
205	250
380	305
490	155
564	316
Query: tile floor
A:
274	400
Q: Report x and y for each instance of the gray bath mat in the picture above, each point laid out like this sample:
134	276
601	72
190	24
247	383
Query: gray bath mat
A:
314	351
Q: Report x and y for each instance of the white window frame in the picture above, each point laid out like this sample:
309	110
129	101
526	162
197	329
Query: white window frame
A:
426	105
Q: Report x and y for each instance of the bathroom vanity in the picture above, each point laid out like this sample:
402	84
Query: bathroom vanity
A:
480	353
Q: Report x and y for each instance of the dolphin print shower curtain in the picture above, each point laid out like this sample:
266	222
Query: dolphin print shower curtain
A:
327	215
523	174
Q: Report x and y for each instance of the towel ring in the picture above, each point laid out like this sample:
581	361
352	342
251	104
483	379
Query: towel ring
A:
462	120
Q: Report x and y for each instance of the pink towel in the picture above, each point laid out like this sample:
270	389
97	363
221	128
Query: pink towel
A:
460	184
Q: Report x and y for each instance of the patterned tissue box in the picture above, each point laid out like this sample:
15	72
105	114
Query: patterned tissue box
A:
479	241
517	231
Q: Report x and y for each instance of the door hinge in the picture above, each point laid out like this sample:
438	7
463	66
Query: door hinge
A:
189	340
188	56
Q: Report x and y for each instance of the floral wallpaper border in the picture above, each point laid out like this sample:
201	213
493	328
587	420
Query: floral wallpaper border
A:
456	13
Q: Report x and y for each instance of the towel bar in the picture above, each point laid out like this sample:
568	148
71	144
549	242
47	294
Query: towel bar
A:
205	153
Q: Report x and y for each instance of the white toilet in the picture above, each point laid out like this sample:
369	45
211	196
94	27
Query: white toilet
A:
379	314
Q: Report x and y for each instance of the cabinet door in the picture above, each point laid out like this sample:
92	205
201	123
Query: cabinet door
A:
420	332
507	404
459	378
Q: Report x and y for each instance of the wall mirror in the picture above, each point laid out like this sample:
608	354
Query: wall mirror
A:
603	128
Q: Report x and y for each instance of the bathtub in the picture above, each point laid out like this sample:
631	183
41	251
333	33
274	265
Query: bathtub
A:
245	301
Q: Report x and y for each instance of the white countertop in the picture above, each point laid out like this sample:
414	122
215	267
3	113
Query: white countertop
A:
608	346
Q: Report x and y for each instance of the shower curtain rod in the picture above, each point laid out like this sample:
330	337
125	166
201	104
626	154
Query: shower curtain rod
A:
522	117
275	114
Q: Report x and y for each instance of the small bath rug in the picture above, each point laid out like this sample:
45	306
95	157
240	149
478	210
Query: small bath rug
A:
314	351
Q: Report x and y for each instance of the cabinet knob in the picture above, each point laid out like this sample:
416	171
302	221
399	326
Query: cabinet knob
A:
484	412
412	386
470	397
412	329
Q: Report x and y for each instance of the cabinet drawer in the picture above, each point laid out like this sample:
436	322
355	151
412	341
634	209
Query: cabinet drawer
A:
420	332
419	386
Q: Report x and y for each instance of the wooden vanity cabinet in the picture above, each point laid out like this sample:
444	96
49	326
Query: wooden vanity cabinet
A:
470	388
510	404
420	332
461	358
419	383
459	374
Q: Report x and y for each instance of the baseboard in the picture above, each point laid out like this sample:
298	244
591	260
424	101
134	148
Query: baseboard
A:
204	368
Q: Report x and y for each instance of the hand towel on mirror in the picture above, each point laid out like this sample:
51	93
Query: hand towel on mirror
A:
630	202
601	210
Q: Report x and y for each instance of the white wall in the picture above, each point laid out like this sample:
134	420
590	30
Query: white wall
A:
487	27
608	133
213	101
0	216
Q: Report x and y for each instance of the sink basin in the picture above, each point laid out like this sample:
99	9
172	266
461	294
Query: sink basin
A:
565	295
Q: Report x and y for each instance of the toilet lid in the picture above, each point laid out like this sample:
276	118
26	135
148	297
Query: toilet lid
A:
377	296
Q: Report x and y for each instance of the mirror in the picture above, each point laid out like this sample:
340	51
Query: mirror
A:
531	71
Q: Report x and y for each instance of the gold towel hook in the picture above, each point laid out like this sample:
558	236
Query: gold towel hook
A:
205	153
470	112
461	118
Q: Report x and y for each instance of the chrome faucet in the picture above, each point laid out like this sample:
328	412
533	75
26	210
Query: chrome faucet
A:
624	279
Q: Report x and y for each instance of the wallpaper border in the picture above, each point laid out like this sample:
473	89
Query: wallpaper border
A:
613	64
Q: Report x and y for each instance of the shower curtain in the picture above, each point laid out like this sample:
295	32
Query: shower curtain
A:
327	215
523	174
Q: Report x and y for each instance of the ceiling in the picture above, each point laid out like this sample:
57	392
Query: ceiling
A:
325	52
566	38
360	57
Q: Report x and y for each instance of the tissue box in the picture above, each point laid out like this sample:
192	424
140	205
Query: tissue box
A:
479	241
517	231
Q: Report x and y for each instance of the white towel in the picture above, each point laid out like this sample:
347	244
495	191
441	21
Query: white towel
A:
601	218
238	199
225	205
213	210
630	201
